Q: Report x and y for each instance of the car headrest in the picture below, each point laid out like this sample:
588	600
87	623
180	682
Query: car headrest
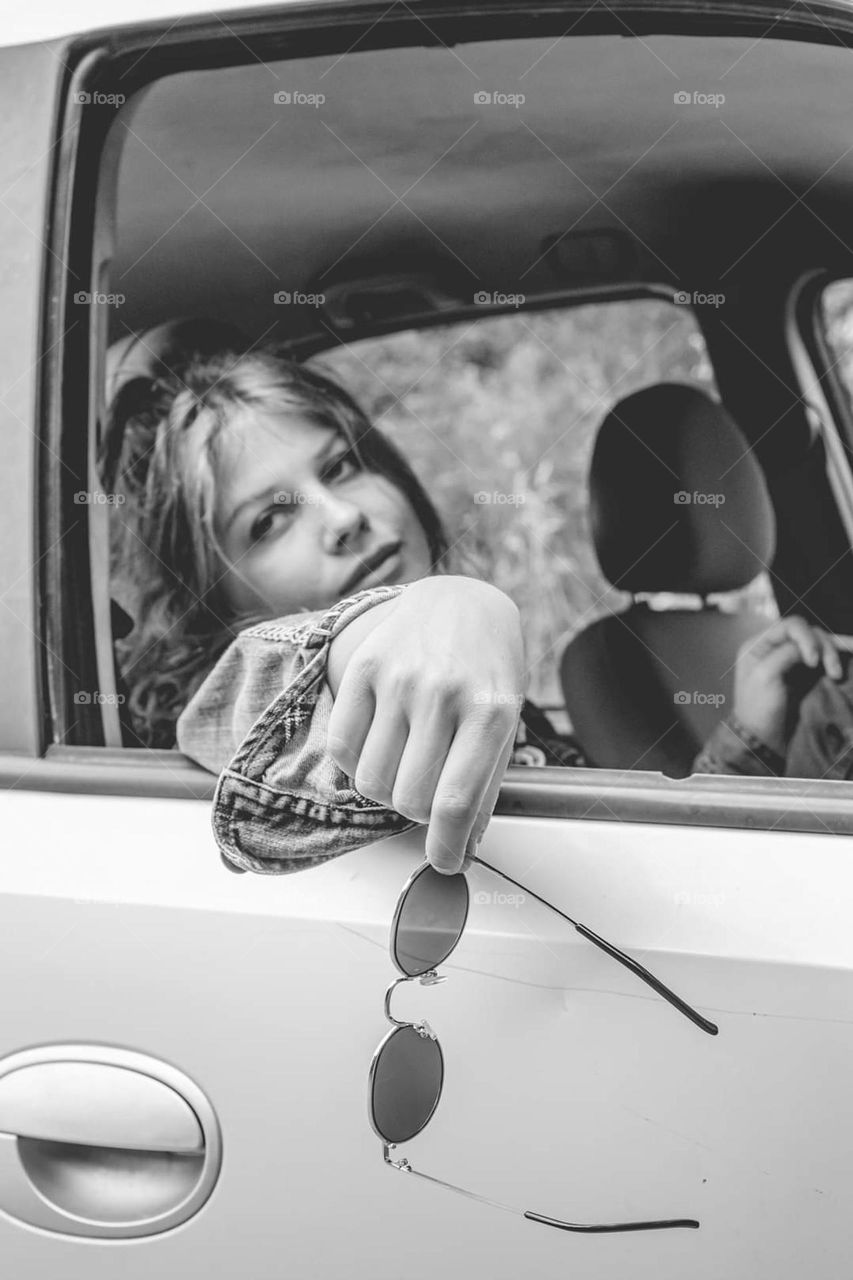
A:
677	500
165	345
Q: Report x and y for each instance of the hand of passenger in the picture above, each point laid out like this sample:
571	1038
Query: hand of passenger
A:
427	707
763	672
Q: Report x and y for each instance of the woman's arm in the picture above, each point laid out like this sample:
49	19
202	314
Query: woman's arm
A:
395	707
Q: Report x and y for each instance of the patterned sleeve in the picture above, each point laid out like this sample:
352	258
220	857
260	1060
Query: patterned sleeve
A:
260	721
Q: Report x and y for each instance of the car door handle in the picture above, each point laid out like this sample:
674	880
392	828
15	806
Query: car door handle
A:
100	1141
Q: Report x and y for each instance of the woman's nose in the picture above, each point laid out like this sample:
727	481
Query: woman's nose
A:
341	521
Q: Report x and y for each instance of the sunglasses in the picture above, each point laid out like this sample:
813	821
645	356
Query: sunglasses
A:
407	1071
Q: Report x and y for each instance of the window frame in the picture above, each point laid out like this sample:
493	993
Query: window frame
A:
820	380
609	795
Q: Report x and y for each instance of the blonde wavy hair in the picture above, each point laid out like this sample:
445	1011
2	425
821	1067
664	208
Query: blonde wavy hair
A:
163	451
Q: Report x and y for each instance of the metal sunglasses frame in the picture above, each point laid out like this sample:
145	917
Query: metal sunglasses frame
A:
431	977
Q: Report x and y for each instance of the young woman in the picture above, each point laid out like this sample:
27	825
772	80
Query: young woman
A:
269	533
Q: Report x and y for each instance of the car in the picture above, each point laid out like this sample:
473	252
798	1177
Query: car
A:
185	1052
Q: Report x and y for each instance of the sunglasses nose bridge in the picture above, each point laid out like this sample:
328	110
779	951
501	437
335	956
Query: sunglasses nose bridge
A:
388	993
434	978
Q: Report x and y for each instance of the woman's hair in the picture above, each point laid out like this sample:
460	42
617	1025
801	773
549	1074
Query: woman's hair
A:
163	450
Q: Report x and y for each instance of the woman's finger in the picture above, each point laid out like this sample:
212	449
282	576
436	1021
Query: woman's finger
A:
830	655
379	760
778	633
474	753
490	799
805	638
779	660
421	764
350	720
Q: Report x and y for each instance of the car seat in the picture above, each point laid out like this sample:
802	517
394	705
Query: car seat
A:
678	504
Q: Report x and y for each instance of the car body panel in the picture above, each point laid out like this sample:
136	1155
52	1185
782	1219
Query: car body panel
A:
571	1089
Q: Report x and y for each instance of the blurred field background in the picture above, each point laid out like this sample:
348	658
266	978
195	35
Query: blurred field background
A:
498	417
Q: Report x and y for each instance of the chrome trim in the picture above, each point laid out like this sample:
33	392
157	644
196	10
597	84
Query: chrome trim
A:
388	993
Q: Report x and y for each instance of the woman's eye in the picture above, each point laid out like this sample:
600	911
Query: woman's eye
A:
268	521
344	465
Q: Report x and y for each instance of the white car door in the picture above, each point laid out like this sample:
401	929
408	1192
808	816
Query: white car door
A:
572	1090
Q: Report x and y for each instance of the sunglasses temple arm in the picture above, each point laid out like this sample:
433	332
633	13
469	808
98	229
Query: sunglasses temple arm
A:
591	1228
649	979
643	974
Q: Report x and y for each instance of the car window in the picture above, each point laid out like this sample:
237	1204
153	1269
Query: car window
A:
500	414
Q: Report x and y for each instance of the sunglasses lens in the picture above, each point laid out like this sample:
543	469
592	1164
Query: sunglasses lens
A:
407	1080
430	921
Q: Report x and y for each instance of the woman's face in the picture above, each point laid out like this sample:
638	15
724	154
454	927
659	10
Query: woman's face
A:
301	524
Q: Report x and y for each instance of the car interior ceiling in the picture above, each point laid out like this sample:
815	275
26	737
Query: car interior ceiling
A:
695	210
303	190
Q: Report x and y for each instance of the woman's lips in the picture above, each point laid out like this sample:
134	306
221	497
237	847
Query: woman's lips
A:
378	574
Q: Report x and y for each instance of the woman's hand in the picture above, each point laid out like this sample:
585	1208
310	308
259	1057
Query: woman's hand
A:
762	675
427	703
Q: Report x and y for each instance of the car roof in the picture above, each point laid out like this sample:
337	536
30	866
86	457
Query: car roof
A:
53	19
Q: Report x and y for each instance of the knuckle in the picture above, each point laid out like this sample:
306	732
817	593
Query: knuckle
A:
399	676
363	667
446	683
410	805
455	805
496	711
372	787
